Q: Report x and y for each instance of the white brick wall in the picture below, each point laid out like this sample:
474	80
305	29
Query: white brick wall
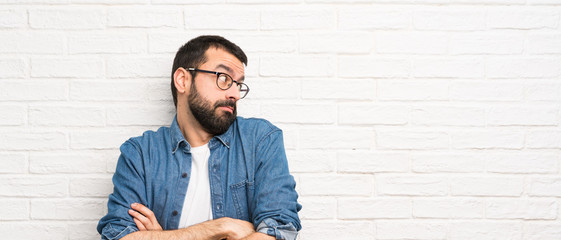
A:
403	119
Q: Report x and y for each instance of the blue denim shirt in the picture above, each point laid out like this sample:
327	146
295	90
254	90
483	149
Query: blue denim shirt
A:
248	174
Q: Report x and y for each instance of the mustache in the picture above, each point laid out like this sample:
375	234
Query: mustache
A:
225	103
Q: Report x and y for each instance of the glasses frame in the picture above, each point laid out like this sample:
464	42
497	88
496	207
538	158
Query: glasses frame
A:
227	76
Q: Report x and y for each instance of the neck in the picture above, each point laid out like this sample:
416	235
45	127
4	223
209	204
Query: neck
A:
191	128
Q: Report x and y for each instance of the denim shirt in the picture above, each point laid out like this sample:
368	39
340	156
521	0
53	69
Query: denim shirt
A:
248	175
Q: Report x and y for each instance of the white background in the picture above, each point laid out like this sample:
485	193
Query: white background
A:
403	119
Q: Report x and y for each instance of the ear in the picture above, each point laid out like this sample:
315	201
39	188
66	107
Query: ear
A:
182	80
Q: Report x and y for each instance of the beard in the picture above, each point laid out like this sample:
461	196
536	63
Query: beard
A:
205	112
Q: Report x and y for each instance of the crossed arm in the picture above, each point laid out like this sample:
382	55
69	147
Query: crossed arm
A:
222	228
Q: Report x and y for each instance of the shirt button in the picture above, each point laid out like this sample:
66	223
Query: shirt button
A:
174	213
218	207
184	175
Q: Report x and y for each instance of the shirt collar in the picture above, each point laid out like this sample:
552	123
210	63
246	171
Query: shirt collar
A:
177	137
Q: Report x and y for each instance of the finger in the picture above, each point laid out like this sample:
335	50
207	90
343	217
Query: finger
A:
138	216
140	226
144	210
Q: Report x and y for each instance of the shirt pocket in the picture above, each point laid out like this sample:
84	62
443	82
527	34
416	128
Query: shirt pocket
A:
240	195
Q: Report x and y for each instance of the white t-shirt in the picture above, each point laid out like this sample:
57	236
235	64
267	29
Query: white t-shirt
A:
197	205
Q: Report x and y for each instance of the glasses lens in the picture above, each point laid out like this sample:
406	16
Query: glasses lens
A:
243	90
224	81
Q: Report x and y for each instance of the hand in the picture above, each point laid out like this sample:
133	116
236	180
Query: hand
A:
144	218
237	229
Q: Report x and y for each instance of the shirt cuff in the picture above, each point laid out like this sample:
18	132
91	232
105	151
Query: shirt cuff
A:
110	233
271	227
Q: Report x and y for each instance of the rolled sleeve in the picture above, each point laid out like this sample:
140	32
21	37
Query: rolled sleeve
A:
111	233
271	227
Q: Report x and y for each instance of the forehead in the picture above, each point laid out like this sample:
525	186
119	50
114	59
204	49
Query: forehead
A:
219	59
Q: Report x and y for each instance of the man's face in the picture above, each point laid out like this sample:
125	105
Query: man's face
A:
215	109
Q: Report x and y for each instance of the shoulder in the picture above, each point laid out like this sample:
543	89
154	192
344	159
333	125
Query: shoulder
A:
256	126
148	140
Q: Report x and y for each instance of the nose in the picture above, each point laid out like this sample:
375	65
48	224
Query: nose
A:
233	92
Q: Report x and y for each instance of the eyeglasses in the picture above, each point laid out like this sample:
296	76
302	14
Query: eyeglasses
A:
225	81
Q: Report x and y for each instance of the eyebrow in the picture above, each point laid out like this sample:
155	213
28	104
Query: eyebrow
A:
228	69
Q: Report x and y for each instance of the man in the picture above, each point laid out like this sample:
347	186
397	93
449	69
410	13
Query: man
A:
210	175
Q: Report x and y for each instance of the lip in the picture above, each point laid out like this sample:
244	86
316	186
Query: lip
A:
229	109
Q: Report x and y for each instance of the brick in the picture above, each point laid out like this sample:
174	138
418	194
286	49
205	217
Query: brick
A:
67	67
41	90
290	137
497	2
16	209
331	1
521	209
86	230
104	90
349	42
136	67
487	43
69	18
141	17
412	185
318	207
373	67
544	2
13	68
91	187
104	43
354	89
374	18
485	230
73	209
24	140
538	115
386	139
31	42
544	43
66	115
454	208
31	186
338	230
109	1
168	42
402	229
69	162
478	139
537	90
296	66
159	90
520	18
299	113
523	163
448	68
336	185
17	115
103	138
373	114
13	18
421	90
448	162
299	18
212	18
487	186
273	88
372	162
34	1
252	70
543	139
314	161
545	186
13	163
31	230
411	43
336	138
112	161
542	231
448	116
140	115
523	68
246	108
499	90
449	19
377	208
265	42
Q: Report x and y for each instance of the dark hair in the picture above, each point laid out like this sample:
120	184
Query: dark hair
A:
192	54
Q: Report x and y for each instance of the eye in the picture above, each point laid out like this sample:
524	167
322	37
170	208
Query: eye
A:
222	78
